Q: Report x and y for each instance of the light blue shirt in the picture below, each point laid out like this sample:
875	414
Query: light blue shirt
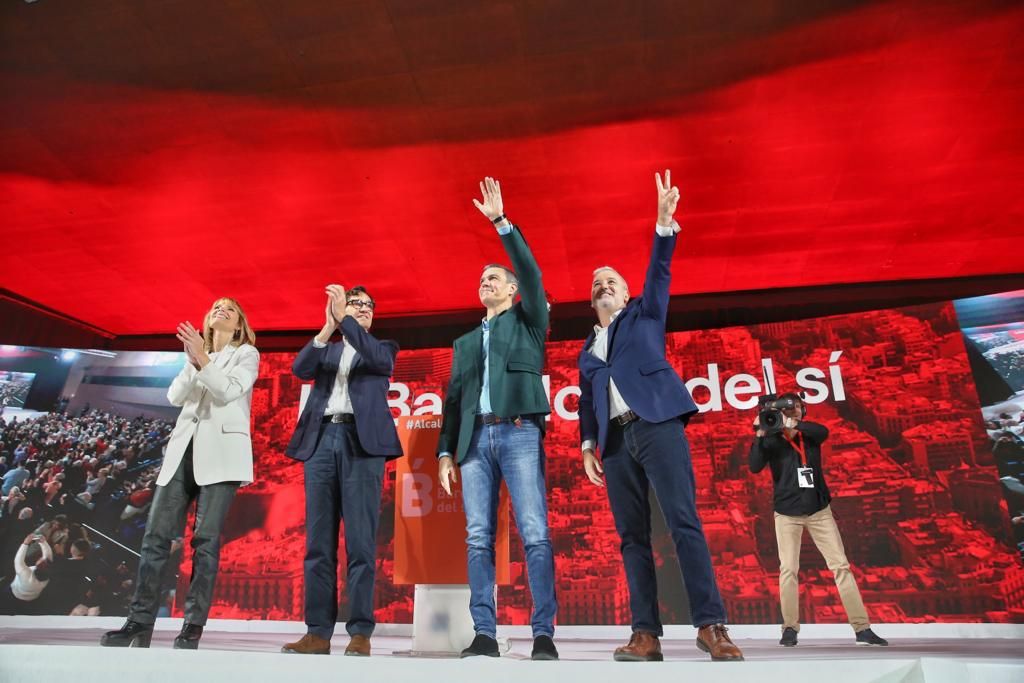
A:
485	389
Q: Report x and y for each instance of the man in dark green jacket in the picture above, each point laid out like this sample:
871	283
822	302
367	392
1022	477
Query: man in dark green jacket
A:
493	428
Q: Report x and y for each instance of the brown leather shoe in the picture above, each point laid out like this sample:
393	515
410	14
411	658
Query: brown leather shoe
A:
308	645
714	640
642	647
359	646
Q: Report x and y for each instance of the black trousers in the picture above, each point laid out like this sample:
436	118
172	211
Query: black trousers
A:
167	517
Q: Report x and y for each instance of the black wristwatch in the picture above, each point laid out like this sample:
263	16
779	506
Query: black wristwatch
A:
499	219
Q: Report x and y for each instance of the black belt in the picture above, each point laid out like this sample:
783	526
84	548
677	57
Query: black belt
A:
492	419
625	418
347	418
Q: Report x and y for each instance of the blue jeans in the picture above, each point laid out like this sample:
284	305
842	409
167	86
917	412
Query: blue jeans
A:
517	455
637	456
342	481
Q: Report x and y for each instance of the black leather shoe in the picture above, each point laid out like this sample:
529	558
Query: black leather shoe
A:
132	634
788	637
189	637
544	649
482	646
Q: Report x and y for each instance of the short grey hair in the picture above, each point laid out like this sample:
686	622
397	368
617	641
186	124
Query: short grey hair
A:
598	270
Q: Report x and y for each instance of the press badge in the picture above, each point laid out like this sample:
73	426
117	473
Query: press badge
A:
805	477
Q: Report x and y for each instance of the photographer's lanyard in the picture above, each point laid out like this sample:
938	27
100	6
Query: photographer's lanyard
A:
804	474
799	446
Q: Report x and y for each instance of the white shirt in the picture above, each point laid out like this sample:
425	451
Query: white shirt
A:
340	400
25	585
616	404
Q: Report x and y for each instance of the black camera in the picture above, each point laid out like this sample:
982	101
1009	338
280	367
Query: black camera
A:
770	416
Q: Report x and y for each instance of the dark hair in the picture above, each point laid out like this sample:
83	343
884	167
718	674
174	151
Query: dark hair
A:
42	573
83	546
510	274
796	396
359	289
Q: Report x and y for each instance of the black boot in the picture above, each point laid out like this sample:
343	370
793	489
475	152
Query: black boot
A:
544	649
189	637
481	646
132	634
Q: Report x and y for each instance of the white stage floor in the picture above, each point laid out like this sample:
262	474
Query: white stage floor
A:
938	653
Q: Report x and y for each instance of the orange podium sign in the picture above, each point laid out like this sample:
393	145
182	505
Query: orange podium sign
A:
430	525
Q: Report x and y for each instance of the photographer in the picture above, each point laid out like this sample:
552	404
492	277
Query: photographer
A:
29	581
791	448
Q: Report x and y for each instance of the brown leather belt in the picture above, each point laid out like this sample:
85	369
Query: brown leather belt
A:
625	418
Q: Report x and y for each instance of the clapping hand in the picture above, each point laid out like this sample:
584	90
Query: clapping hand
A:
337	301
195	345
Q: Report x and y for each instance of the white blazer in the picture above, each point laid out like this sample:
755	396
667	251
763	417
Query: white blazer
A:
215	404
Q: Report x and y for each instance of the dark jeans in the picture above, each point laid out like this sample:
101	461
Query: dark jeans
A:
167	517
342	482
637	456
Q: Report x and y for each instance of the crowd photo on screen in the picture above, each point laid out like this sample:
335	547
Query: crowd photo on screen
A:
75	495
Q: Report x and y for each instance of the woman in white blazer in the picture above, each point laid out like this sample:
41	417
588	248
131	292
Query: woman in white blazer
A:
208	456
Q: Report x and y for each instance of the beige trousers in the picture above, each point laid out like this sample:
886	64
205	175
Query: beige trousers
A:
825	534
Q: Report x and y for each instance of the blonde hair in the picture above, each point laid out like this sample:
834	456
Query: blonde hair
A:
244	333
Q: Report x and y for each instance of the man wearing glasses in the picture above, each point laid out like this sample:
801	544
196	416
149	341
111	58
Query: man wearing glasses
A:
343	438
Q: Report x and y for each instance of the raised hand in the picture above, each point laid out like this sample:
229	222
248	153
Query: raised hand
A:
337	302
668	198
491	206
193	341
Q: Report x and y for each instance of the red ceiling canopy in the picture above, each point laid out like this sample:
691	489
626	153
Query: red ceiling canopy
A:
157	155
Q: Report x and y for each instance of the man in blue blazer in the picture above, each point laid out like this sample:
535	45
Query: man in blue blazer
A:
634	409
343	438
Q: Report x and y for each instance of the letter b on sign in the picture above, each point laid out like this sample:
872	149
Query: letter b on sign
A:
416	498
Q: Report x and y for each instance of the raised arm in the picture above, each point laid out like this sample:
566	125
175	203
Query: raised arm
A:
531	286
308	360
19	557
659	271
182	384
814	432
757	458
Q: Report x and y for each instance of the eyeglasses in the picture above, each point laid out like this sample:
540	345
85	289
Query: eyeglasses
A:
360	303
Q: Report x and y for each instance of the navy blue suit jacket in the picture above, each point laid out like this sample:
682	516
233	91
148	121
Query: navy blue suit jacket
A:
636	358
368	383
